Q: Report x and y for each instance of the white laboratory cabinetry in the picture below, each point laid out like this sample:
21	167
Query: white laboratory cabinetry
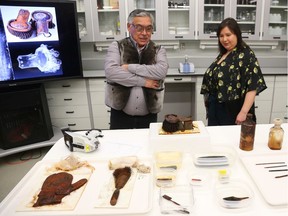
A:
68	104
105	20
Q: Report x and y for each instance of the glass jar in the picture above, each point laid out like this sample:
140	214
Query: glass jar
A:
276	135
247	133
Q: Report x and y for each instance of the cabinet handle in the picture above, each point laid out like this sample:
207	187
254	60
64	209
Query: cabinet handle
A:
277	38
109	38
286	105
177	79
285	117
72	124
109	111
67	99
178	36
69	112
213	36
256	107
246	37
66	86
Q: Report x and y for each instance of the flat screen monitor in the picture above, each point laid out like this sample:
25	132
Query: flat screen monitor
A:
39	41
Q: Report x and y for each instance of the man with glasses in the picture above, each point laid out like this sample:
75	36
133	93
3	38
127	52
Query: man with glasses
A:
135	69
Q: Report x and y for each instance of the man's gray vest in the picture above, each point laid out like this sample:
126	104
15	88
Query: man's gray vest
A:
117	95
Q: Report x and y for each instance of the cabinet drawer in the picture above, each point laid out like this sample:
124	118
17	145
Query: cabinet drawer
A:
101	123
63	86
101	111
263	106
97	84
67	99
178	79
69	111
97	98
72	123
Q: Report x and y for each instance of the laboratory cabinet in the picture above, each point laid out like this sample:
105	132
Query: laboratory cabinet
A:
84	16
68	104
106	20
275	23
178	19
154	7
247	13
80	103
280	99
100	113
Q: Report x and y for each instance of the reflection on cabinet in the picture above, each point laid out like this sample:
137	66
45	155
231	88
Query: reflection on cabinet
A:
275	23
100	112
68	104
280	99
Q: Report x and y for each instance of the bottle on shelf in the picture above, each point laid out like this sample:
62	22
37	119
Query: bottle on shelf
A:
247	133
276	135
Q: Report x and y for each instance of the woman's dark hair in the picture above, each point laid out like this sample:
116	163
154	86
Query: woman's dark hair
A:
235	29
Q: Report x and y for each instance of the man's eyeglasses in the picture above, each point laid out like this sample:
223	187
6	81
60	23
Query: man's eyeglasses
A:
140	28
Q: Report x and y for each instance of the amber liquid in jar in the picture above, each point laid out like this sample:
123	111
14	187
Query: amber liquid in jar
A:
276	135
247	134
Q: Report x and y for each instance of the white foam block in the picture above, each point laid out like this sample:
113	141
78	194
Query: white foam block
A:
187	143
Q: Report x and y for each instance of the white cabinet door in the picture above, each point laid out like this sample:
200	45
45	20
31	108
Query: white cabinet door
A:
210	15
100	112
109	19
178	19
275	20
280	97
154	7
249	17
263	102
84	15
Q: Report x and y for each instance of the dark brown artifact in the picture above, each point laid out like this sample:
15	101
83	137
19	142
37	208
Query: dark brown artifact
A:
171	123
55	187
121	176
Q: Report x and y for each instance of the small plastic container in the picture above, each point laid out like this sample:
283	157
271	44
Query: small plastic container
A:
176	200
199	179
167	166
168	159
233	194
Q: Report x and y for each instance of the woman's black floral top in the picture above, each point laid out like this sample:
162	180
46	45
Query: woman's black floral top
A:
233	77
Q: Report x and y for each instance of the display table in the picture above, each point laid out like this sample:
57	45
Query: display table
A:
136	142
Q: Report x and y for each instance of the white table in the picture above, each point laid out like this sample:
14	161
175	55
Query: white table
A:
135	142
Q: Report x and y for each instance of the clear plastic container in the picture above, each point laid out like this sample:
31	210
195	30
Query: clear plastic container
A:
176	200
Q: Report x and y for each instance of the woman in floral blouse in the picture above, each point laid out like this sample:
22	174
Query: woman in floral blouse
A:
233	80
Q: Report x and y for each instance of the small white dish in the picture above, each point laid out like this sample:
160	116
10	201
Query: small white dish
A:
234	194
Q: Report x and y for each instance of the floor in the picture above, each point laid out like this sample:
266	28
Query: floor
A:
14	167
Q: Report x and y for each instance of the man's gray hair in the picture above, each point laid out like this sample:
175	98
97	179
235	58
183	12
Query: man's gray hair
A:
139	13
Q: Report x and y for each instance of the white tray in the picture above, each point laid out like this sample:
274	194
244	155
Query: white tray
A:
141	200
274	190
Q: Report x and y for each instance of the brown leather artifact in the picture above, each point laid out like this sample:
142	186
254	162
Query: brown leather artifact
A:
121	176
55	187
